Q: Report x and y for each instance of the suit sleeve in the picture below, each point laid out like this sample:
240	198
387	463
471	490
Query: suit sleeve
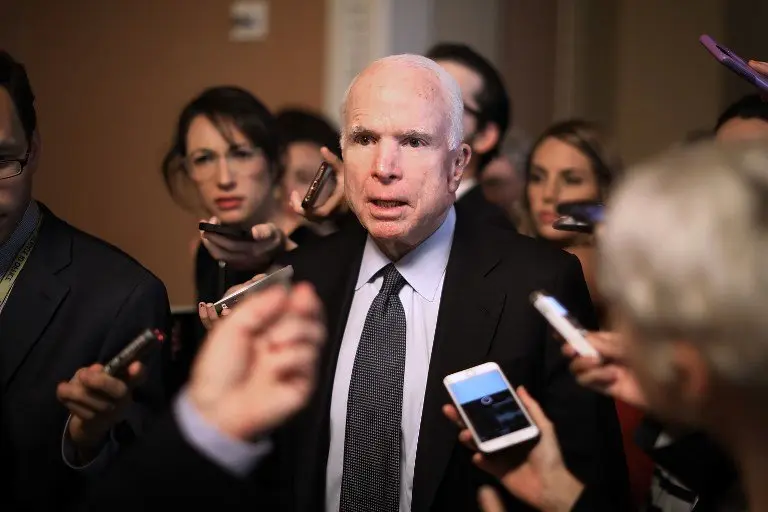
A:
146	307
586	423
163	464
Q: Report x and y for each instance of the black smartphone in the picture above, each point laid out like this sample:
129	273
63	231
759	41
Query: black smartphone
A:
323	176
230	232
568	223
579	216
282	276
134	351
591	212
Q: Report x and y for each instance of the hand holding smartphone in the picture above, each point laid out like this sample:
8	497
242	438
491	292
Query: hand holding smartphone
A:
282	276
233	233
564	323
490	408
321	187
729	59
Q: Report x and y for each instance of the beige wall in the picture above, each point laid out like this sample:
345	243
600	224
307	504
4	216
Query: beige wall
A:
635	66
666	84
527	56
111	76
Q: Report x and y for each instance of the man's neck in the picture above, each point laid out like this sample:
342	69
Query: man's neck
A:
394	250
13	223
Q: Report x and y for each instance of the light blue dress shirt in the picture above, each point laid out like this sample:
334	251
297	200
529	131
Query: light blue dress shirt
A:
424	270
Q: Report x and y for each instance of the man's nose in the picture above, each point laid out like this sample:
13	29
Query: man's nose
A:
386	167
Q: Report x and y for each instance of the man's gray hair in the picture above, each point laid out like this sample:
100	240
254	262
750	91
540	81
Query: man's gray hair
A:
684	253
449	87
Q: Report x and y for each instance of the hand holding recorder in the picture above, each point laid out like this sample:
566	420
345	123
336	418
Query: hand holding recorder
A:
243	249
97	396
541	479
325	195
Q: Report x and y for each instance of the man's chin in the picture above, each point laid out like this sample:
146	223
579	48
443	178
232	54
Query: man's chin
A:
386	230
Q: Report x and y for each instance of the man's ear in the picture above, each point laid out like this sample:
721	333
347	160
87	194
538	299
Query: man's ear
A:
486	139
459	164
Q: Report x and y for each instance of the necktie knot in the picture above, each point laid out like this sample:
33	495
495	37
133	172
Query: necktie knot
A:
393	281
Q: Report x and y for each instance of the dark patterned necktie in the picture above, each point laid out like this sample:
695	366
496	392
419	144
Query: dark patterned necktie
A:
371	478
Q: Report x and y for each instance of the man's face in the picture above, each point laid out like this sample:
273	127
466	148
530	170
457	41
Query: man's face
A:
502	183
470	83
400	175
15	192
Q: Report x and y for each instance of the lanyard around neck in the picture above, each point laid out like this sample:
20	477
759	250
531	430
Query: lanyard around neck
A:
9	278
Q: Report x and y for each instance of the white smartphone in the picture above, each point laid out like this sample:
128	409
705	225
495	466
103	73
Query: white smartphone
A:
282	276
490	408
563	322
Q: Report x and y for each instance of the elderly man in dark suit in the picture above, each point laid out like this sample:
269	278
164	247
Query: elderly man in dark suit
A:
416	290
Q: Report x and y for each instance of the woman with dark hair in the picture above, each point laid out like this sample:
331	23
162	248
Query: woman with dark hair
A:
226	153
571	161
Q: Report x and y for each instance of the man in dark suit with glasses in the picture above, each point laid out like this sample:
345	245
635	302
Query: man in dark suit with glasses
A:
68	303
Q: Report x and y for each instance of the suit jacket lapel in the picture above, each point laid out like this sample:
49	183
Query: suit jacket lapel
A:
334	278
35	297
470	307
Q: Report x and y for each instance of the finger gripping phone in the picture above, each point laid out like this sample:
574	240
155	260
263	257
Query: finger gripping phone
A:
564	323
490	408
282	276
134	351
320	183
233	233
729	59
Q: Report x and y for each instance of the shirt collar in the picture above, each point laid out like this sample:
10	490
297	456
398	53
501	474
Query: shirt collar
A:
20	234
422	268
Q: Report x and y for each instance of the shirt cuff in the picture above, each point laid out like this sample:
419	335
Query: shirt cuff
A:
236	456
97	464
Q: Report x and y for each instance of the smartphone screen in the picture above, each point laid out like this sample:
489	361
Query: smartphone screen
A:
565	323
584	211
489	405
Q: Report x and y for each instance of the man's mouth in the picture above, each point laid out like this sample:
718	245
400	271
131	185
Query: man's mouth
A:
381	203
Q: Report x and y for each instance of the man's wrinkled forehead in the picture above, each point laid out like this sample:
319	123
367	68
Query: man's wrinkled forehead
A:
11	131
394	90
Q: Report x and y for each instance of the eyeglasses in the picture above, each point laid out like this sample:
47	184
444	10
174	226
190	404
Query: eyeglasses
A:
10	167
203	165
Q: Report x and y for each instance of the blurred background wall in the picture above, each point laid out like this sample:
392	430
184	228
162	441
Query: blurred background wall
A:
111	76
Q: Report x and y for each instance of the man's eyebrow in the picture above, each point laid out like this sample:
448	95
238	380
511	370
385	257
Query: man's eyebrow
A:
358	130
416	134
